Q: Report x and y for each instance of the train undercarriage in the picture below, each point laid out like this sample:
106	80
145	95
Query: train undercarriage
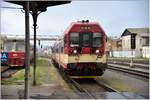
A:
83	70
86	69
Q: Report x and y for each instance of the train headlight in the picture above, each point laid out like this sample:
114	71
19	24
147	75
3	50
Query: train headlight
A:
75	51
97	51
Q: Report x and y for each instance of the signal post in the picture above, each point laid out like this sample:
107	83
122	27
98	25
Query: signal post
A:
133	46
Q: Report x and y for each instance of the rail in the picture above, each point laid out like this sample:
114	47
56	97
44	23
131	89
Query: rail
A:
137	65
9	72
133	71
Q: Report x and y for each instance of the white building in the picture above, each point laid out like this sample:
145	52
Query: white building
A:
141	41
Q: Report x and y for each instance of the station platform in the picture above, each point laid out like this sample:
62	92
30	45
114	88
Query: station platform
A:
53	92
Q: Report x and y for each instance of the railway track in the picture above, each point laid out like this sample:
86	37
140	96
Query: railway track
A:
81	89
146	62
4	68
133	71
136	65
90	86
75	84
8	72
85	87
93	86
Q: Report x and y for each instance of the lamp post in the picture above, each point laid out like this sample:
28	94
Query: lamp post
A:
34	16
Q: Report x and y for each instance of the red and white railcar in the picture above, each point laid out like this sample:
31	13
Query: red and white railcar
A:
13	54
80	52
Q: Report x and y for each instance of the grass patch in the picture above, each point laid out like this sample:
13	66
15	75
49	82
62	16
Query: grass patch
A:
118	85
18	78
42	62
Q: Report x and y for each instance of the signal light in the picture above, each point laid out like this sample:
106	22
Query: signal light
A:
39	42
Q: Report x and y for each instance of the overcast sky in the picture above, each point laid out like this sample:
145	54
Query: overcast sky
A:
113	16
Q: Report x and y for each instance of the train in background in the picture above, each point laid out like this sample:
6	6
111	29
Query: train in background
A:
13	54
80	52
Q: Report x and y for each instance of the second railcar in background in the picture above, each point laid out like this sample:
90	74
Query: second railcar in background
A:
13	54
80	52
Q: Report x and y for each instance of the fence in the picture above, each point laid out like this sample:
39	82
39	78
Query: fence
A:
144	53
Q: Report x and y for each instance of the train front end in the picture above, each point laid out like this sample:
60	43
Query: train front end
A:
84	50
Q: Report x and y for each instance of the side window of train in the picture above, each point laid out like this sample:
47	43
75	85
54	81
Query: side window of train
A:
65	40
97	39
61	49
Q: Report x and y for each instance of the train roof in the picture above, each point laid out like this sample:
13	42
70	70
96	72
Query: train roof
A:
58	41
82	23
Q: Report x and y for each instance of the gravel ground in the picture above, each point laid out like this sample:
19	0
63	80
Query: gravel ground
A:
125	83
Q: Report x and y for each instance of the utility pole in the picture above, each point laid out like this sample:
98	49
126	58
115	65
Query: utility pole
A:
27	48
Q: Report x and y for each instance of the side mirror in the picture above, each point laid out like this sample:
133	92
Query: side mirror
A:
106	38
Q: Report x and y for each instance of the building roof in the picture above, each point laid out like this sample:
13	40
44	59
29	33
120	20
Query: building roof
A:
139	31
